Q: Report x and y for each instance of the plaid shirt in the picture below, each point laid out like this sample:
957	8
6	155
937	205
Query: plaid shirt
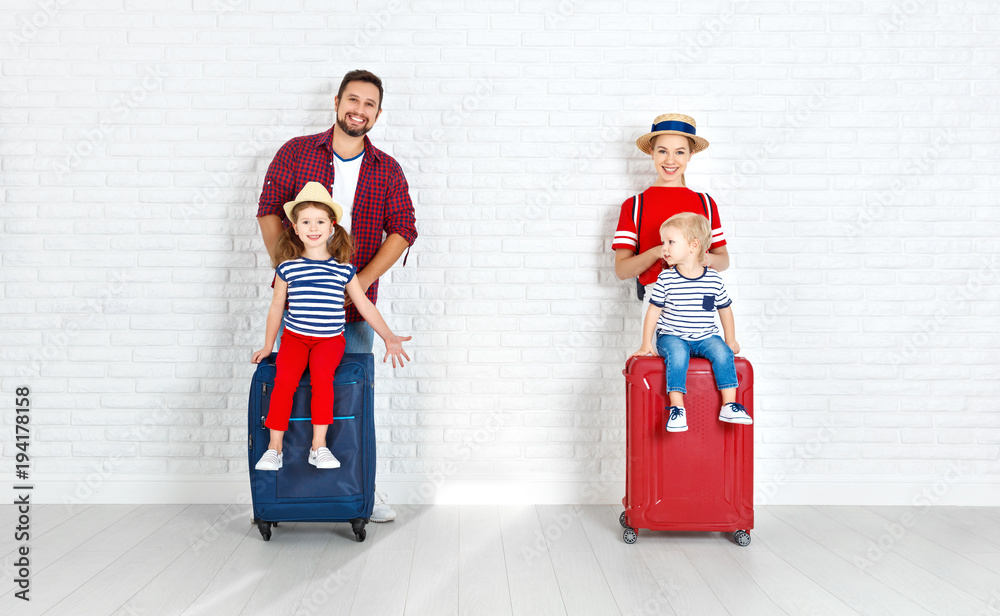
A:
381	203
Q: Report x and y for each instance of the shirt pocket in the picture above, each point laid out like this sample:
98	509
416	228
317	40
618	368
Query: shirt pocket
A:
708	302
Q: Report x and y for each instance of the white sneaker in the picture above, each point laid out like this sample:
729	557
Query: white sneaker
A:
677	422
382	512
323	458
270	461
734	413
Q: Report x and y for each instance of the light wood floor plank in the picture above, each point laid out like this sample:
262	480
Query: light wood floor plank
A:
479	529
562	528
679	580
433	587
130	530
533	587
585	590
907	578
946	534
383	585
398	535
842	579
57	581
786	586
957	570
983	521
113	586
630	580
332	589
228	592
735	588
65	539
483	589
301	547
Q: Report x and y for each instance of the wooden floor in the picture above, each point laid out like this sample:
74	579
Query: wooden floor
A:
545	560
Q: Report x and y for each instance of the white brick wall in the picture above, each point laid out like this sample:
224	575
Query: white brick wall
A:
853	158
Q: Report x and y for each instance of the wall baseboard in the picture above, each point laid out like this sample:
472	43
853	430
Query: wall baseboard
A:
199	489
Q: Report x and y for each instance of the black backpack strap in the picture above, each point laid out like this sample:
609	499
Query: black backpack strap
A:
706	204
637	218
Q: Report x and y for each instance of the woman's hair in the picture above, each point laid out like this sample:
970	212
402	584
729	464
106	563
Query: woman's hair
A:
693	227
291	247
652	146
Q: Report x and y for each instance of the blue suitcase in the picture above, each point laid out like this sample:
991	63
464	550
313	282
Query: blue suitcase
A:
299	492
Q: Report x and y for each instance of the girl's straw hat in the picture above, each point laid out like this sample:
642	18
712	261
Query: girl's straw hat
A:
671	124
316	192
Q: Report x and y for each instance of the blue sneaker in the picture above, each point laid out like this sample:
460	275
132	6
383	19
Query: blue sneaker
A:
735	413
676	422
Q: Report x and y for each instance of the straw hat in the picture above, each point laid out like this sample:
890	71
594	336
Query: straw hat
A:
316	192
671	124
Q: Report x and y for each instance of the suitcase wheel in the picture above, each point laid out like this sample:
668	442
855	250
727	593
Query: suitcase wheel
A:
265	529
358	526
630	536
623	520
742	538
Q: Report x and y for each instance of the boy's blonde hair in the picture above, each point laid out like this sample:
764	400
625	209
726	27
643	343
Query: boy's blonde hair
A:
693	227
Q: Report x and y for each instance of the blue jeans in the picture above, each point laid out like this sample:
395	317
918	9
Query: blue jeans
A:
359	337
676	352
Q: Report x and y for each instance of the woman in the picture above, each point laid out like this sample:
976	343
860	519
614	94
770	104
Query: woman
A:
671	142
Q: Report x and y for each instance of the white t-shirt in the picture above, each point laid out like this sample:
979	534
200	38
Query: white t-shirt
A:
345	184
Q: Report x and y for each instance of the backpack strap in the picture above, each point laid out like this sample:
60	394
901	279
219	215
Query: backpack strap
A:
706	204
637	219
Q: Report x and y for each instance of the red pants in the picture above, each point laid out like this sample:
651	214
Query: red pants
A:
322	355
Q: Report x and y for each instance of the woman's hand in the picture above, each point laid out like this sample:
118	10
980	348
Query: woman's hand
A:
394	348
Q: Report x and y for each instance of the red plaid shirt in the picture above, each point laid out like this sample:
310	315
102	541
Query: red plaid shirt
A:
381	203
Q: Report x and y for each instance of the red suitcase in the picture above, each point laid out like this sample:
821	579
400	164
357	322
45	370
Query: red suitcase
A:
699	480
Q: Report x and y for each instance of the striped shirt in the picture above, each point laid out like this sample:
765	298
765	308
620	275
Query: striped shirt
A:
689	304
315	296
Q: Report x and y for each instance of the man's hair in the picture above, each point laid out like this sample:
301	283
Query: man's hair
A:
693	227
361	75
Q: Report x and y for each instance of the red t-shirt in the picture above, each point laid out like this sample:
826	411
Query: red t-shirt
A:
658	204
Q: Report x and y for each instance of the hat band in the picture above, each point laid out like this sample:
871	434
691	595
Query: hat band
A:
681	127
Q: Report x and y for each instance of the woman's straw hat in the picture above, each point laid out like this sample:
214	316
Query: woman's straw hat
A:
671	124
316	192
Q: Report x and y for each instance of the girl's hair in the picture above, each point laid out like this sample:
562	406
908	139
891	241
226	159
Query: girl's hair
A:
652	146
291	247
693	227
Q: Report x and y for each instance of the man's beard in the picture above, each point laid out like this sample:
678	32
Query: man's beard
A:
353	132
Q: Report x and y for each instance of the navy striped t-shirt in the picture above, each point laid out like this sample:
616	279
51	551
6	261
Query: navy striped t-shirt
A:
315	295
688	304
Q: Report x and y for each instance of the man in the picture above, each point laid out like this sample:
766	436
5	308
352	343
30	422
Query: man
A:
370	186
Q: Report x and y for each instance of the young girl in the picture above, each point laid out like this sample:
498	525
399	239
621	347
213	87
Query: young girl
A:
671	142
682	309
313	272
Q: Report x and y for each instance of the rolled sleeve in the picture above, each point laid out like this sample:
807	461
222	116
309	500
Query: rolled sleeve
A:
278	186
400	217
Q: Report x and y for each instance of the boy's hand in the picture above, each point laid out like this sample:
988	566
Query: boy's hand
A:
259	355
735	346
394	347
644	351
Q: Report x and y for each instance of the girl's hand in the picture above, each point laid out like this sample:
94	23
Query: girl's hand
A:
644	351
707	260
735	346
394	347
259	355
